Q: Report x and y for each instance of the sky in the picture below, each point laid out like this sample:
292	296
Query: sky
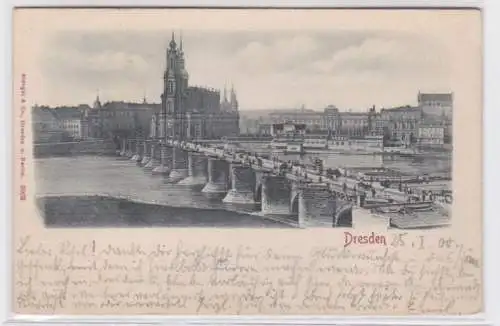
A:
269	70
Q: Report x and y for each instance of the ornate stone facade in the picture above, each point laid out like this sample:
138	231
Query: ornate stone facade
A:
192	112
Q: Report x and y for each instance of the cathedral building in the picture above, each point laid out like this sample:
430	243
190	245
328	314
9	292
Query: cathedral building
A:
192	112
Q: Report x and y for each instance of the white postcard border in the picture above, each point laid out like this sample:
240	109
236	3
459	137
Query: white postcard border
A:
491	175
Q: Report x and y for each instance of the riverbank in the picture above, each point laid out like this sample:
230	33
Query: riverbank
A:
103	211
88	147
426	154
76	154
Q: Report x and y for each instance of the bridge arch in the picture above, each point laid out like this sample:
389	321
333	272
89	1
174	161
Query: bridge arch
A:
343	216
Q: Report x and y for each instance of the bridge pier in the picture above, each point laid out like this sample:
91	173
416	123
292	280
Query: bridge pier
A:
217	176
129	152
275	195
145	153
163	168
124	147
137	156
196	170
242	185
133	150
153	162
317	206
360	200
179	165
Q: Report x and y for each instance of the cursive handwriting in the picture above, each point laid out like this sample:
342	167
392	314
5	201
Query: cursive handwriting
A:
95	277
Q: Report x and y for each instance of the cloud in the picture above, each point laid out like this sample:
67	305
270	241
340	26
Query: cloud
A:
392	57
259	57
101	62
281	69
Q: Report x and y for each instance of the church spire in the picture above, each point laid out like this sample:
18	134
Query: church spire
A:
233	93
97	102
180	45
172	42
225	93
234	100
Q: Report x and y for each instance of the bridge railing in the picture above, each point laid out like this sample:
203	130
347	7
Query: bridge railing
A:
297	173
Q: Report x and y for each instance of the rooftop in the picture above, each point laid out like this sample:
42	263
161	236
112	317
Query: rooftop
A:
406	108
128	105
354	114
296	113
440	97
68	113
203	88
43	113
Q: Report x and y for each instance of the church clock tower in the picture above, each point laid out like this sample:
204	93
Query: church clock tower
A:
168	97
175	81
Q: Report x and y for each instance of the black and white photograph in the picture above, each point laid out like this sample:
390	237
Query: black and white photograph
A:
244	129
220	162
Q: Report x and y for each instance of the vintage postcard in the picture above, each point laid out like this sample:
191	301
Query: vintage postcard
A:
247	162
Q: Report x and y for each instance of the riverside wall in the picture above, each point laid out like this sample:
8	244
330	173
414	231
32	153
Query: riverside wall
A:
89	147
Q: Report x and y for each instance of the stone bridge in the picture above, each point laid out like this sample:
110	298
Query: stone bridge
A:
245	179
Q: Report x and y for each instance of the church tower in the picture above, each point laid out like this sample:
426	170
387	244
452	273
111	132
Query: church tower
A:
234	101
234	110
97	102
173	117
184	76
225	103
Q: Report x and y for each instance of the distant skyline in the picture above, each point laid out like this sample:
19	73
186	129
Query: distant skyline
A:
348	69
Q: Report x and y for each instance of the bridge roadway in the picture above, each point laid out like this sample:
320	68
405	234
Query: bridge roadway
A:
315	199
297	173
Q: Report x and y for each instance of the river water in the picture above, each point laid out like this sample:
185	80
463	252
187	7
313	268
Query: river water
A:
438	163
81	177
